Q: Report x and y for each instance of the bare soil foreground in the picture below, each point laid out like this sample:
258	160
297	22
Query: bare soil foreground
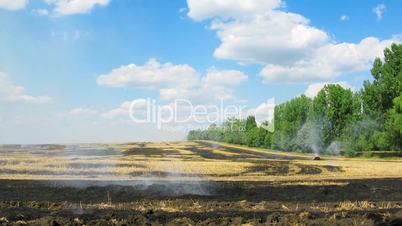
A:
192	183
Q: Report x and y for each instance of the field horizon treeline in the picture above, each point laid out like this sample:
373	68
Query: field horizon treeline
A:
336	121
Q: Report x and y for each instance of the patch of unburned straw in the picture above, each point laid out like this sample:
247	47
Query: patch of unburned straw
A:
224	153
348	205
364	205
314	183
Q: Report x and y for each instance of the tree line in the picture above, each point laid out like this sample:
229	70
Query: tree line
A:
337	120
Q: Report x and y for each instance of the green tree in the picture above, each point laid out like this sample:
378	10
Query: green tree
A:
234	131
289	118
256	137
387	84
252	138
365	134
265	135
394	124
333	108
214	132
250	123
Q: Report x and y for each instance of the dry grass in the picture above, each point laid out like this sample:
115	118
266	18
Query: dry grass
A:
222	164
358	205
314	183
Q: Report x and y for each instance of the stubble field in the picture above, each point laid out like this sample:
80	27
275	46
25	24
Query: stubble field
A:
192	183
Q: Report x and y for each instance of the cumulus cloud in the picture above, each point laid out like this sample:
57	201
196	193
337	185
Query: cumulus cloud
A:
258	32
175	81
273	37
216	77
328	62
217	84
60	7
137	105
313	89
13	4
379	10
69	7
203	9
291	49
152	75
12	93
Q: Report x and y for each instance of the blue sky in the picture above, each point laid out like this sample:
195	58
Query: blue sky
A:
53	54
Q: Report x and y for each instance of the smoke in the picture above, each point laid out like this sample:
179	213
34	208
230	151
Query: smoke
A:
86	165
365	134
215	146
355	136
174	188
335	148
309	137
314	139
167	179
175	182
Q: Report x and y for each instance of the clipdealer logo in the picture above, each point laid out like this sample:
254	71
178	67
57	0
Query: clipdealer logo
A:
183	111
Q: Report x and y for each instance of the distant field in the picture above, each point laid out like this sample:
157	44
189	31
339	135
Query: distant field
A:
184	160
190	183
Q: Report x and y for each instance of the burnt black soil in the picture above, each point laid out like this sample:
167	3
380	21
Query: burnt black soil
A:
148	151
196	203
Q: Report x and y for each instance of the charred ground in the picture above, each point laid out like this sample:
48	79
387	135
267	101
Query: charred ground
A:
193	183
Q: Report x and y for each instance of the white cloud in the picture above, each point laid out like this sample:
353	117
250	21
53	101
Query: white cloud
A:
216	77
258	32
83	111
61	7
273	37
152	75
13	4
122	110
291	49
138	106
175	81
379	10
70	7
344	17
328	62
13	93
203	9
215	85
313	89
